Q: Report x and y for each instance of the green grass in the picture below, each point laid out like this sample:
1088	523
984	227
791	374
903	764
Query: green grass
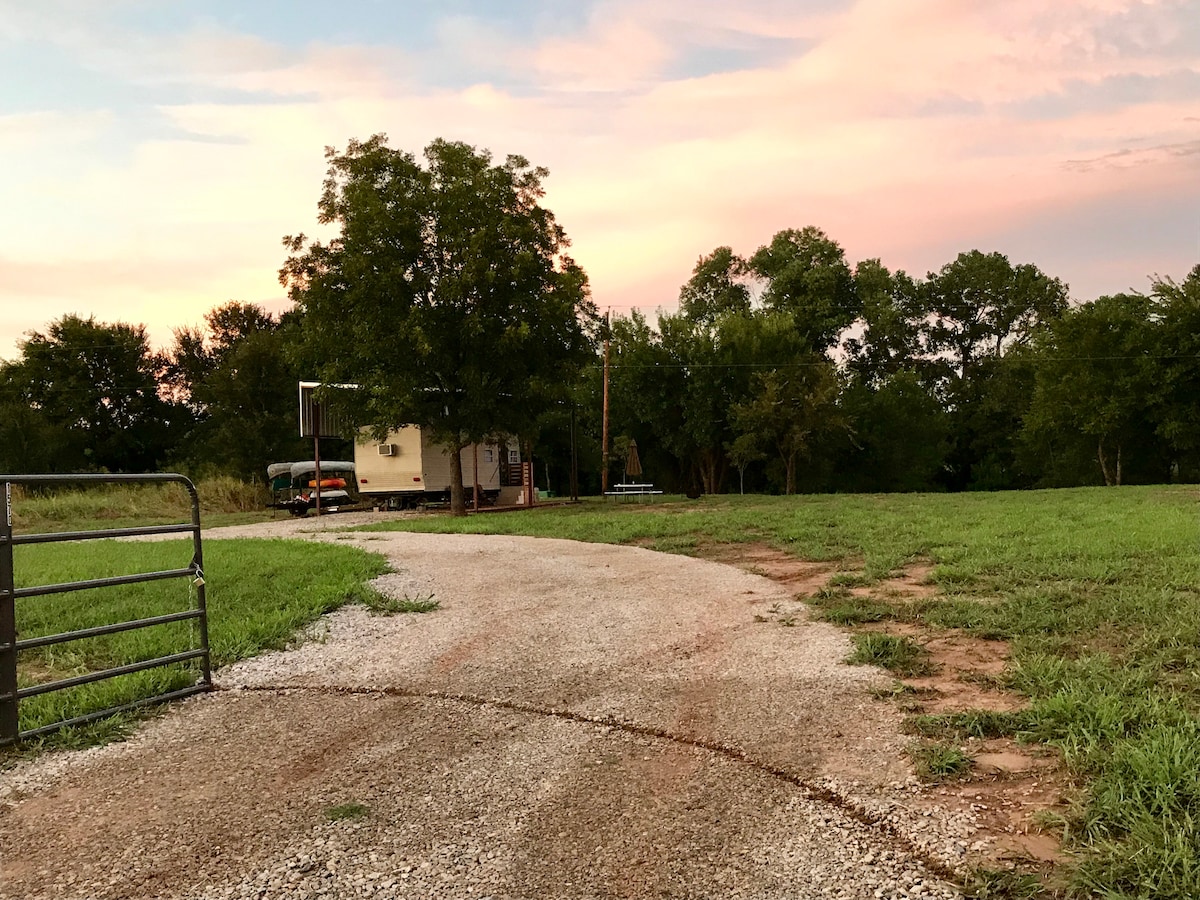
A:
344	811
837	606
223	501
974	723
259	594
939	761
387	606
1097	589
899	655
1003	884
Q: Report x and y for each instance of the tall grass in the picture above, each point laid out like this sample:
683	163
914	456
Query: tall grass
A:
1097	589
222	501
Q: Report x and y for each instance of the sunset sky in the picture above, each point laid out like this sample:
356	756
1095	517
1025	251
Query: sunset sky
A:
156	152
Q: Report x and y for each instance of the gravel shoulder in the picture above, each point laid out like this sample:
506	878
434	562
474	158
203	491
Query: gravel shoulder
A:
575	720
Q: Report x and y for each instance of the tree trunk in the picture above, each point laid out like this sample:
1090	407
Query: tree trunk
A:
1118	463
709	466
458	499
790	464
1108	478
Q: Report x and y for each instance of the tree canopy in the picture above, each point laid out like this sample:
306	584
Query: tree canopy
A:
716	287
805	274
237	381
91	390
447	294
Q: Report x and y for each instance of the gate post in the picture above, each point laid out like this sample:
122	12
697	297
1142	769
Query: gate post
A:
9	727
201	596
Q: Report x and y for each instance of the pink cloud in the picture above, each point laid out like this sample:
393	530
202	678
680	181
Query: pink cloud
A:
647	173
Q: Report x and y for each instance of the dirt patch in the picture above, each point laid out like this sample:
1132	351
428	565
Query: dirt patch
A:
35	671
913	583
966	669
799	575
1012	788
1011	785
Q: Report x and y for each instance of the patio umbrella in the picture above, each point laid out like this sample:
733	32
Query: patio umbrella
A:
633	465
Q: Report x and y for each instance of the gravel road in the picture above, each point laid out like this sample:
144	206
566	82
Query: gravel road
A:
575	720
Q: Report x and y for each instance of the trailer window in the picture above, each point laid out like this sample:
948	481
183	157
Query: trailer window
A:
489	455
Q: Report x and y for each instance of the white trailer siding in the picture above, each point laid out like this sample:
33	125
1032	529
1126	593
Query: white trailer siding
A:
413	464
399	472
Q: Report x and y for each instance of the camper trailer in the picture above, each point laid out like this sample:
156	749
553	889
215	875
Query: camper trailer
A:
407	468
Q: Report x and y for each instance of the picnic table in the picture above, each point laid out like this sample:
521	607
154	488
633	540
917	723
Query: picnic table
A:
632	490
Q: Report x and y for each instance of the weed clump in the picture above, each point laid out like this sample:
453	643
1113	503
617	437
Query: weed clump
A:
382	605
937	761
343	811
1003	884
855	611
897	654
975	723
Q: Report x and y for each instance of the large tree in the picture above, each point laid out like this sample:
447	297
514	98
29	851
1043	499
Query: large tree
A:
717	287
789	410
446	294
791	399
892	317
897	435
642	386
981	303
30	440
1177	332
1096	378
94	387
980	307
238	381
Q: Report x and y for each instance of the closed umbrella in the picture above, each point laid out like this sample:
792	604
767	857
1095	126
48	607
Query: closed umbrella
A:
633	465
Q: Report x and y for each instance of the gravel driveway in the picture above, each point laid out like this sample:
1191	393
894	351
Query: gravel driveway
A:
576	720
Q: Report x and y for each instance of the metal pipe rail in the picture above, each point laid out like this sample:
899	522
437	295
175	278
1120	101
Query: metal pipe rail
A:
10	646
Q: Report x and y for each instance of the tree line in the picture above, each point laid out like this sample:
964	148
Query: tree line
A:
88	396
449	297
789	369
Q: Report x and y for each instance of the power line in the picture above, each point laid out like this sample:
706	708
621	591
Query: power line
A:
800	365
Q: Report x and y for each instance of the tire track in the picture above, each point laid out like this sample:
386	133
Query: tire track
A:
811	790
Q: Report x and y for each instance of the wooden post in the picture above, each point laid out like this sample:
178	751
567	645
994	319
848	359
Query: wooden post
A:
527	481
317	452
574	458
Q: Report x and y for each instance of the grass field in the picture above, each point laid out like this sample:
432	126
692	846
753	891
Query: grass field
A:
259	594
1098	591
223	501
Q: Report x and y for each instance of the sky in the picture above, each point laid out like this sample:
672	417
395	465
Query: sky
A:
155	153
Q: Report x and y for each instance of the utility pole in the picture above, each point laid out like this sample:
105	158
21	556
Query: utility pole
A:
574	457
604	428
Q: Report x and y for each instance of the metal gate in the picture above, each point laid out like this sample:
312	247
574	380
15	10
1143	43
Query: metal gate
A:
10	646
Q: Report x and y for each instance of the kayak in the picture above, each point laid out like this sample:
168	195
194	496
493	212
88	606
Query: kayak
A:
329	483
